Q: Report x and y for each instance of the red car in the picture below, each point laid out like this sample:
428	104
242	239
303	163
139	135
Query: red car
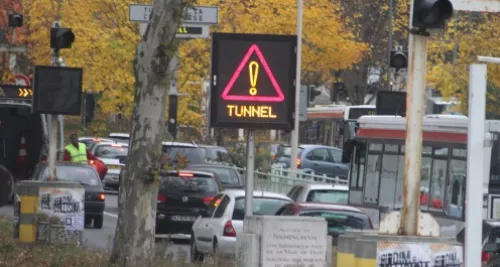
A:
100	167
338	217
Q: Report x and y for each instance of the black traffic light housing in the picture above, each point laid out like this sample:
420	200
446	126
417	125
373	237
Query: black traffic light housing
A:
61	38
399	59
313	93
172	115
431	14
15	20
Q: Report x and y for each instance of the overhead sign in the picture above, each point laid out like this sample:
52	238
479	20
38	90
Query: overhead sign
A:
476	5
253	81
57	90
196	15
15	92
192	31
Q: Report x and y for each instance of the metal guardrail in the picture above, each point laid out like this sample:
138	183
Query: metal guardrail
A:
281	180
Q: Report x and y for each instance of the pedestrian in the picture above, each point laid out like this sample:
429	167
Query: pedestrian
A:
77	152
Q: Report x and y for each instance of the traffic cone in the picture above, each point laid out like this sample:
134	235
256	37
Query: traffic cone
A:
22	159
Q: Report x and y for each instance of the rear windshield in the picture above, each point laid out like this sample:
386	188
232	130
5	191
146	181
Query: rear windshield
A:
111	151
83	175
261	206
328	196
340	221
193	154
226	175
174	184
287	152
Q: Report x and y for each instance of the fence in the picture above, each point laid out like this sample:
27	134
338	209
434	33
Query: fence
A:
281	180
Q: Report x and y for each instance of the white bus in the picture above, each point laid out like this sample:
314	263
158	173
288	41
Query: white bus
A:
376	155
332	125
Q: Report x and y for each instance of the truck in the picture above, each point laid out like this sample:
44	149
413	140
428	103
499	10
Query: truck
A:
17	121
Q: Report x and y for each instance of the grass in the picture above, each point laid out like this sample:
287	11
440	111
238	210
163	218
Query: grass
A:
45	255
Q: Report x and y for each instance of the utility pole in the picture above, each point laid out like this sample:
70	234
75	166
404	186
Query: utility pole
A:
294	142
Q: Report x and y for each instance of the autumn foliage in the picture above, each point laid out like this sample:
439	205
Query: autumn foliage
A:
106	41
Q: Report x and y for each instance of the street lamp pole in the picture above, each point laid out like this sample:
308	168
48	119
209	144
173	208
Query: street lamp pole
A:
295	133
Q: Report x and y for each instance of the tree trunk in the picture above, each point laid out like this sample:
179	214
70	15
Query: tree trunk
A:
134	243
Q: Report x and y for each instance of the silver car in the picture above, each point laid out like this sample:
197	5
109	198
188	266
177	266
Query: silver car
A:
113	155
216	229
320	193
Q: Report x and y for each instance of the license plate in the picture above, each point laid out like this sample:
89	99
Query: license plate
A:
114	167
115	178
178	218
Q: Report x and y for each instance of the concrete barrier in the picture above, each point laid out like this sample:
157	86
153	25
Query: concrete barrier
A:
49	211
346	245
370	248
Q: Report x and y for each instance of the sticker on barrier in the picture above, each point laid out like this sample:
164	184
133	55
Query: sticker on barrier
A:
63	205
392	254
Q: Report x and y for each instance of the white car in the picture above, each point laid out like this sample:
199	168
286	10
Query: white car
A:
216	229
113	155
320	193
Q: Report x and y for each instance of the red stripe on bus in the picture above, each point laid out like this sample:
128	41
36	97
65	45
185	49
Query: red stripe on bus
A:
401	134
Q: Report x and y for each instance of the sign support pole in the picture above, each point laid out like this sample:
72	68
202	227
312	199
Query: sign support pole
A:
295	133
52	158
475	168
249	181
414	126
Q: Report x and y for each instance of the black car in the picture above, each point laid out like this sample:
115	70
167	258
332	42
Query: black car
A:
228	176
217	154
182	196
88	177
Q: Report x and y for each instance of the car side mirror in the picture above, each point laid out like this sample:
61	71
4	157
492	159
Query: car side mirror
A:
491	247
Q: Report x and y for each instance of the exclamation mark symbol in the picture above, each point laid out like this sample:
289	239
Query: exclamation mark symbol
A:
253	69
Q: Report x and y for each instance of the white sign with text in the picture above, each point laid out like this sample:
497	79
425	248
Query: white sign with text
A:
294	243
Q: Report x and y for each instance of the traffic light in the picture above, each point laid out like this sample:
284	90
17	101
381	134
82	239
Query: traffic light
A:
399	59
15	20
172	115
61	38
431	14
313	93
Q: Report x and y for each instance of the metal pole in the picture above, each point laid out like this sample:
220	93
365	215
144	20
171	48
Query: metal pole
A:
475	156
249	184
294	142
53	124
414	124
389	46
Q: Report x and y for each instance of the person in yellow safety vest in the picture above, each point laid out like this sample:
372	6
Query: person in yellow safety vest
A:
77	152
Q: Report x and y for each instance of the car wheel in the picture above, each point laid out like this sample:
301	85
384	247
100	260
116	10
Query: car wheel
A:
196	256
98	220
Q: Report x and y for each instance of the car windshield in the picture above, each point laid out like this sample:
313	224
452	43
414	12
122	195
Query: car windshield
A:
328	196
340	221
175	184
83	175
111	151
261	206
227	176
193	154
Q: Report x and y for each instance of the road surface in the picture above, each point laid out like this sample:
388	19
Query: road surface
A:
102	239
